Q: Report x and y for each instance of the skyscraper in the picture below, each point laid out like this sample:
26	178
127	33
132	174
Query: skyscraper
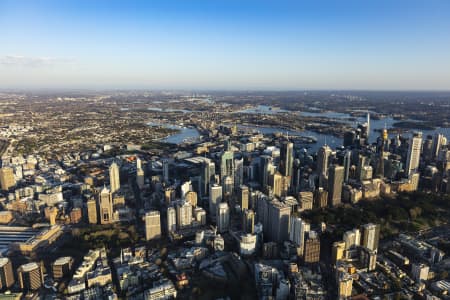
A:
165	170
311	253
335	181
114	177
265	169
347	164
6	273
243	197
278	221
171	219
30	276
184	215
223	217
370	236
207	176
297	231
7	180
152	225
323	156
227	165
248	221
215	197
92	211
106	206
286	158
413	158
238	173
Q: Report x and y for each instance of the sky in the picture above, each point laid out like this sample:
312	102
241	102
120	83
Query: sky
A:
226	44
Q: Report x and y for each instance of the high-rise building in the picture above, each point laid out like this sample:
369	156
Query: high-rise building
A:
337	251
106	206
347	165
413	158
30	276
345	285
114	178
370	236
165	170
7	180
243	197
207	176
248	221
320	198
215	197
323	156
191	198
6	273
227	165
238	173
61	267
335	181
278	221
184	215
140	179
92	211
286	158
352	238
152	225
306	200
223	217
368	258
297	233
265	169
171	219
438	142
311	253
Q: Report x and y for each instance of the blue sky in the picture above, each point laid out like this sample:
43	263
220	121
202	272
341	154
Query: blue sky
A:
226	44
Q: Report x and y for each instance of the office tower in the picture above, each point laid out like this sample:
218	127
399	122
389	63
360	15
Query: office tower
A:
227	165
171	219
6	273
228	187
200	215
265	169
114	177
165	169
185	187
360	169
243	197
207	175
335	181
152	225
349	138
278	221
438	142
191	198
347	165
320	198
352	238
223	217
345	285
296	177
297	231
75	215
368	258
337	251
420	271
184	215
286	158
92	211
370	236
238	173
7	180
413	158
61	267
277	185
311	253
323	156
169	195
30	276
140	179
306	200
248	221
106	206
138	163
215	197
368	126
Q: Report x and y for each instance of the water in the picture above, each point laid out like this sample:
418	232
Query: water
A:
184	134
262	109
332	141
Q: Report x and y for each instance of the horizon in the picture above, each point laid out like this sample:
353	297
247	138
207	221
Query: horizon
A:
225	45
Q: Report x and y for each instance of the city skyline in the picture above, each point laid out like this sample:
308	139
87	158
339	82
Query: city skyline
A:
225	45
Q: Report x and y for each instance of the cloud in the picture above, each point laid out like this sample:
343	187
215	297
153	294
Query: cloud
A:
29	61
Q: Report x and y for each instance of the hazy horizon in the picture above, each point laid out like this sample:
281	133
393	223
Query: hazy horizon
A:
226	45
